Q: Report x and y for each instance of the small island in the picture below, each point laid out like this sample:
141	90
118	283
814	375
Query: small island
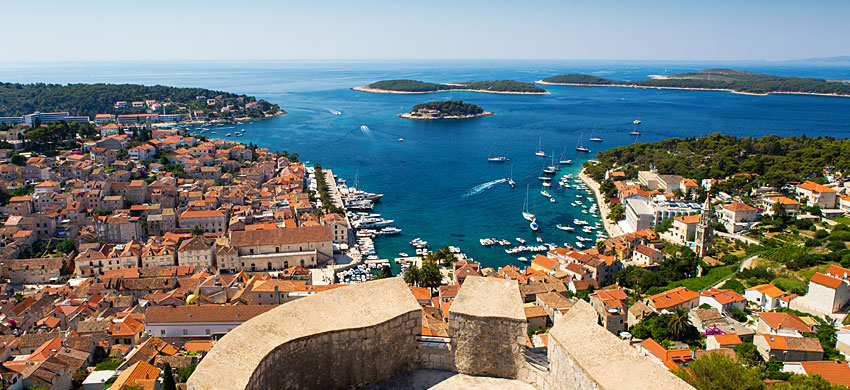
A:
488	86
447	109
721	79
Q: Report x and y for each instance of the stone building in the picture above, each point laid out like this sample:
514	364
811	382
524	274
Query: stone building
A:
277	249
196	251
703	235
212	221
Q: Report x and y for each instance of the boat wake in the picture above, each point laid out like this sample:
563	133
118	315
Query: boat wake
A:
481	187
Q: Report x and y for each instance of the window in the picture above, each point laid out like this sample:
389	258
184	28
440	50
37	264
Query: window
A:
128	341
162	332
207	332
185	332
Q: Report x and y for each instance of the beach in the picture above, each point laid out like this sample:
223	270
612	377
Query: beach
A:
611	228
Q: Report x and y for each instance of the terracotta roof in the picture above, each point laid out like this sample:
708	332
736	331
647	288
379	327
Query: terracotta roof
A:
535	311
688	219
812	186
201	214
420	293
645	250
826	280
204	313
139	374
723	297
838	272
727	339
837	372
769	290
777	320
673	297
281	236
738	206
788	343
544	262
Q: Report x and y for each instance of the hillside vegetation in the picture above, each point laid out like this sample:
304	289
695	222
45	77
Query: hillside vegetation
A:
735	80
91	99
450	108
775	159
484	86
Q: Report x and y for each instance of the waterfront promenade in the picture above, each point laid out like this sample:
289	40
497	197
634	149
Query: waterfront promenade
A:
611	228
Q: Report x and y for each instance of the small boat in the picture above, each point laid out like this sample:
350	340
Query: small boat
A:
539	152
520	240
552	200
511	178
565	162
547	184
534	226
401	140
637	121
564	227
227	135
539	239
580	147
549	171
364	128
635	132
545	193
497	159
522	259
525	214
402	254
594	139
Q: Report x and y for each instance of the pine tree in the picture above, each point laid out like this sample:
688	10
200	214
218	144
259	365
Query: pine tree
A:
168	378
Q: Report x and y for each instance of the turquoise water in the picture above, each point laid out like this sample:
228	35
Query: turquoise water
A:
428	180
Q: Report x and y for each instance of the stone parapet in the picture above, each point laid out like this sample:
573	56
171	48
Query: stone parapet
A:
585	356
348	337
488	328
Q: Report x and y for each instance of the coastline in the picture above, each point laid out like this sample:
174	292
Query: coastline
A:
234	120
407	115
611	228
365	88
692	89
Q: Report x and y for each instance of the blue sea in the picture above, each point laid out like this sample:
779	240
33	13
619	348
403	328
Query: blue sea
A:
438	184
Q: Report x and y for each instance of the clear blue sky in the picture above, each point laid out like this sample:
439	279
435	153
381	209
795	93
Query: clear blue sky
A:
401	29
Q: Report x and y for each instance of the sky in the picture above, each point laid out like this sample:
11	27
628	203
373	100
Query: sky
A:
88	30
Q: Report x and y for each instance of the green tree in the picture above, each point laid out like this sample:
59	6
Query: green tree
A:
385	272
679	323
18	160
412	275
717	371
197	230
807	382
778	210
18	298
183	374
748	354
168	378
66	246
430	275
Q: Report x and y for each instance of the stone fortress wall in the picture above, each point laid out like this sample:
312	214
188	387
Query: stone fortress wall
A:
361	335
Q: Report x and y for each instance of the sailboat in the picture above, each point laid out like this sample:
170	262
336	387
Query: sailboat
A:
594	139
540	153
553	166
497	158
525	214
579	146
561	161
511	178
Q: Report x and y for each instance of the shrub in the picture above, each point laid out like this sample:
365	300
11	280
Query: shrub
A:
821	234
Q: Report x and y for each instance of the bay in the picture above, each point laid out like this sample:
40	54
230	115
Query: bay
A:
436	181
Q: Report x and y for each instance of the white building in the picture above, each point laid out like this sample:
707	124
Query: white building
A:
765	296
644	213
198	320
817	195
737	216
829	292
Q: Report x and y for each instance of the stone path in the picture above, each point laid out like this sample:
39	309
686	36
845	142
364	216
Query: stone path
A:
444	380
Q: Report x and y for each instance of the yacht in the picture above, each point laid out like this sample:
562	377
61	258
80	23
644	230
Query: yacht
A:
634	132
545	193
490	158
520	240
511	178
565	162
525	214
227	135
594	139
579	146
637	121
564	227
364	128
401	140
539	152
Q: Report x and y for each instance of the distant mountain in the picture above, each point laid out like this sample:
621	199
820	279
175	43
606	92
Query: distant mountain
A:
824	60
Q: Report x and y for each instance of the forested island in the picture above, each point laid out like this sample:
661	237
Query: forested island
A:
92	99
771	160
446	109
717	79
415	86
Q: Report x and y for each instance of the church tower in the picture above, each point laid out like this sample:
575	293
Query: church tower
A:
704	230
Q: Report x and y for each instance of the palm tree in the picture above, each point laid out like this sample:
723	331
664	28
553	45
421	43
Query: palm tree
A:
679	323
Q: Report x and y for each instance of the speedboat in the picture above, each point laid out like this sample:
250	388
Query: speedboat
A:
401	140
511	183
552	200
547	184
520	240
522	259
545	193
497	159
402	254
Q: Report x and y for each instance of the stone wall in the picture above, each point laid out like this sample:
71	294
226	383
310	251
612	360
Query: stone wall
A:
343	338
488	329
583	355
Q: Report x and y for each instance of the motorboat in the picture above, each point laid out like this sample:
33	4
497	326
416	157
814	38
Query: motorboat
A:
552	200
637	121
564	227
520	240
497	159
545	193
534	226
